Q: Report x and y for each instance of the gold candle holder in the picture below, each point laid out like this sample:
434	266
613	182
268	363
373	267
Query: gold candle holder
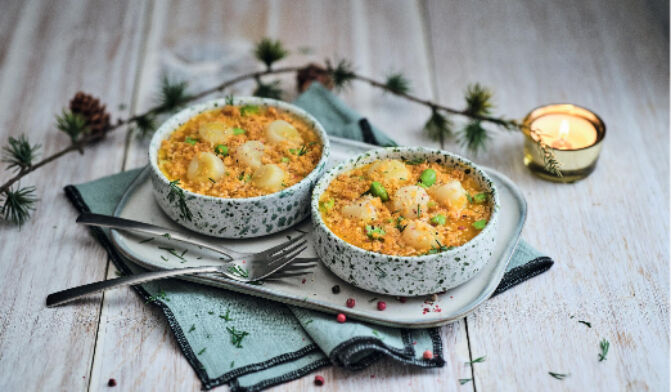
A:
574	135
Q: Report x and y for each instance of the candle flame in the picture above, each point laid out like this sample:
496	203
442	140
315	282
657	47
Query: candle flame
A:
564	129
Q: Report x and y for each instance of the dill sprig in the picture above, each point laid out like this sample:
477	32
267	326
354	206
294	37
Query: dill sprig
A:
237	336
604	349
18	205
559	376
269	51
19	153
397	83
176	194
477	360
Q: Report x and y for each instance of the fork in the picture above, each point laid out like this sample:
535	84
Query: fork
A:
113	222
259	266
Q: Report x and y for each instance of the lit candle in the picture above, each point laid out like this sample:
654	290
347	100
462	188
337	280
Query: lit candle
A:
574	135
565	132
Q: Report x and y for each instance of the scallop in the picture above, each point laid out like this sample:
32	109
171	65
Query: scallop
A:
269	177
420	235
250	153
451	195
281	131
389	172
362	209
215	132
205	166
411	201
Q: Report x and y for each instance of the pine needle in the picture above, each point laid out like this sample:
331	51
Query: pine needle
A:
268	90
438	127
18	205
397	83
342	74
474	137
269	51
478	100
173	94
145	125
72	124
19	153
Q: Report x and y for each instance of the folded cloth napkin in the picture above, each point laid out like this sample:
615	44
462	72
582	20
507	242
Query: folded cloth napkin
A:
252	343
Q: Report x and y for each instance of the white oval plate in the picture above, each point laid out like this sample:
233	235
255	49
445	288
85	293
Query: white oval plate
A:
314	291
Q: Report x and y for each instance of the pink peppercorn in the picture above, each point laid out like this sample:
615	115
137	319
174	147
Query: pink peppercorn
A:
319	380
340	318
382	305
350	303
111	382
427	354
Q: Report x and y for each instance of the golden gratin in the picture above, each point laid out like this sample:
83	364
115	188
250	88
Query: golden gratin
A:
405	208
240	151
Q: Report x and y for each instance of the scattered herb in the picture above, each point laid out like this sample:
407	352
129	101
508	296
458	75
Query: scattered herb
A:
604	347
174	252
416	161
147	240
301	151
480	224
239	271
308	322
211	312
419	211
229	100
374	232
160	295
559	376
193	327
226	315
163	258
469	198
285	159
477	360
202	351
464	381
399	226
247	109
222	150
236	336
374	299
191	140
212	181
177	194
238	131
439	248
232	363
327	205
586	323
167	235
378	335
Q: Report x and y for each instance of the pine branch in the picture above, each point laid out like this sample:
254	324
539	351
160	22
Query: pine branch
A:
72	124
478	100
19	153
342	74
172	95
397	84
438	127
268	90
18	204
474	137
269	51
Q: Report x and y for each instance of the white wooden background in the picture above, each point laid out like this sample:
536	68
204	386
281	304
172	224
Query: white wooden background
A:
608	234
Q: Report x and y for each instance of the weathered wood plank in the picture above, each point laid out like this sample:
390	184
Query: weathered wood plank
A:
49	51
608	233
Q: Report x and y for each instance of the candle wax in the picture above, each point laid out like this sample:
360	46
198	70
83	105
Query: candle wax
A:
565	132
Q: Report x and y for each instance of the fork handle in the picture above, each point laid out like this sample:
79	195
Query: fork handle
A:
71	294
113	222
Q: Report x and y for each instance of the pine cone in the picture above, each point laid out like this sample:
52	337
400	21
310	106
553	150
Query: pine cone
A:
309	74
97	118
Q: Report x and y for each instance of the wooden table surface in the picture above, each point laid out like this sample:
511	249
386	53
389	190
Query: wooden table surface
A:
608	234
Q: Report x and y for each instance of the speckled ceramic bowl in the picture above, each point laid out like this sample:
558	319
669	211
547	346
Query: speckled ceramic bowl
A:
239	217
404	275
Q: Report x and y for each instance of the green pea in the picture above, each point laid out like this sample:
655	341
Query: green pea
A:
222	150
438	220
378	190
428	177
328	204
480	224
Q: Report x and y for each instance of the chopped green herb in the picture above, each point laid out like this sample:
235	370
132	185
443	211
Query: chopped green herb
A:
167	235
193	327
479	224
226	315
222	150
211	180
399	226
237	336
469	198
327	205
559	376
160	295
247	109
163	258
285	159
229	100
238	270
147	240
464	381
374	232
438	220
238	131
439	248
308	322
211	312
378	335
377	189
419	211
416	161
480	198
202	351
190	140
174	252
373	299
177	194
604	347
586	323
477	360
232	363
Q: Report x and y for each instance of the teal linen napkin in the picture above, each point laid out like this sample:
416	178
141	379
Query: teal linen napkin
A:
252	343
